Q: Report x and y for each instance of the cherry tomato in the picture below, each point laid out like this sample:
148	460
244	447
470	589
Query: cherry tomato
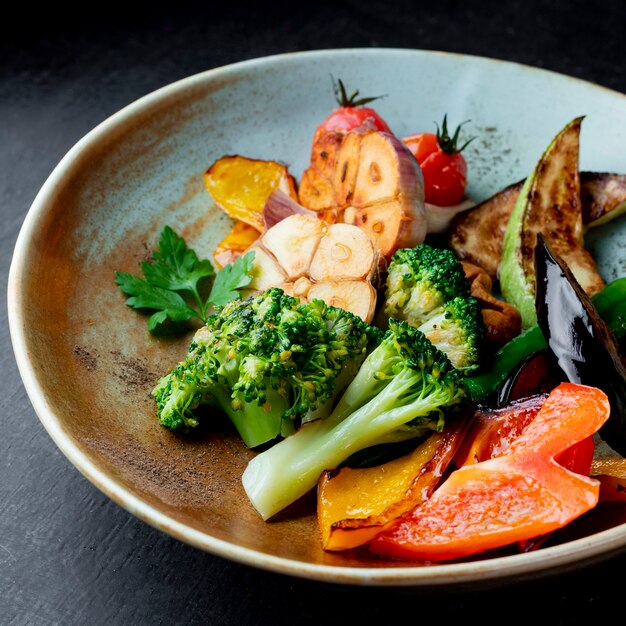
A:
443	165
351	113
445	178
422	145
346	119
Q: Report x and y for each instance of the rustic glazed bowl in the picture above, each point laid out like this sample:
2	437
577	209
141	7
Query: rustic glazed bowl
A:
88	361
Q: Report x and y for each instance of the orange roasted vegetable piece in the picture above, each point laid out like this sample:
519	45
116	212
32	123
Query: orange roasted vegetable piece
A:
354	505
238	240
240	186
522	494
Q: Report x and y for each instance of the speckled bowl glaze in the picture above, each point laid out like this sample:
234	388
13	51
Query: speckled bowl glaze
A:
88	362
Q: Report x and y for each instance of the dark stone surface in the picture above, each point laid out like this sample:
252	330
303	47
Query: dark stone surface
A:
68	555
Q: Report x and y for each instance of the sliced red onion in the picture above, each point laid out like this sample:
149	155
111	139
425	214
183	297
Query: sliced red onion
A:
280	205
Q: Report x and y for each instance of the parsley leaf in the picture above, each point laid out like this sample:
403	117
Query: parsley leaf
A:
230	279
173	279
174	266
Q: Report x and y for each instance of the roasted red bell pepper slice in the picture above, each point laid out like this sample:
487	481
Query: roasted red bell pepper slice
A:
539	373
522	494
494	429
577	459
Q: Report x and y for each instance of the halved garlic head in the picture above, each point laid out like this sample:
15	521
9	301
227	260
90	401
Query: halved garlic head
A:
372	182
293	242
310	259
356	296
344	252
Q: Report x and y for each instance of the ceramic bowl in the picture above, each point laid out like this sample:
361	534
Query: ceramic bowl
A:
87	360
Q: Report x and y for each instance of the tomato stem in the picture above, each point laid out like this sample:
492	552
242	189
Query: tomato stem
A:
449	144
345	100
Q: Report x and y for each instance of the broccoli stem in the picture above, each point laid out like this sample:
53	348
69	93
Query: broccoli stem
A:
255	424
289	469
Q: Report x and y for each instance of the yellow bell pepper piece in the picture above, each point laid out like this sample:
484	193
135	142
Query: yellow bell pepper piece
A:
238	240
241	186
354	505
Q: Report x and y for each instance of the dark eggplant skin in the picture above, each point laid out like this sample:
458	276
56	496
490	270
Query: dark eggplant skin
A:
583	344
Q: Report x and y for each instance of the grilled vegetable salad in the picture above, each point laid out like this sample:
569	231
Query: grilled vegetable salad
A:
443	400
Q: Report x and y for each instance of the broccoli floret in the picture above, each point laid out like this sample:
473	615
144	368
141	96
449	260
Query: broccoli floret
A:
420	281
401	391
458	330
269	362
427	287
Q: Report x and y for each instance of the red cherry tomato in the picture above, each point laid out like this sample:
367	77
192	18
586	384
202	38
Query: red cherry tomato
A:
351	113
422	145
443	165
345	119
445	178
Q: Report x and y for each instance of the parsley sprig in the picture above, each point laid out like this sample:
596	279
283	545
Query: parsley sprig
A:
175	280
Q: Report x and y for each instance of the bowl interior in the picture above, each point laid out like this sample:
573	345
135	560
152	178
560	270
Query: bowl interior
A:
88	361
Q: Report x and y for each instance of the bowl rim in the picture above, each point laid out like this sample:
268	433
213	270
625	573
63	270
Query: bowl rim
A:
570	555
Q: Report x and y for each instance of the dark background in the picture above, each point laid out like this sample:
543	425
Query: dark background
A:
68	555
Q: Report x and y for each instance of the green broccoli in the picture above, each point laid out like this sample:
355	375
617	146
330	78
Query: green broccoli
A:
420	281
458	330
401	391
427	287
270	362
